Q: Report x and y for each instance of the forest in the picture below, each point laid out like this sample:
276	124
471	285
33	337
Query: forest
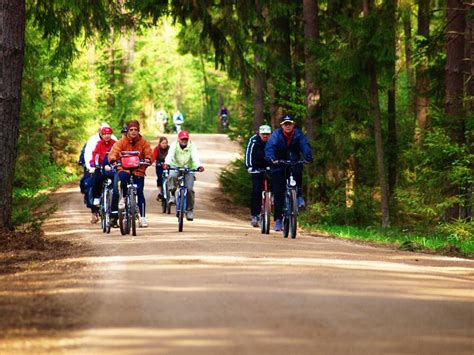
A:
383	89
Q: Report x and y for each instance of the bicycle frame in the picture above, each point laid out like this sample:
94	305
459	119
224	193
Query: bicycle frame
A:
128	217
290	205
182	194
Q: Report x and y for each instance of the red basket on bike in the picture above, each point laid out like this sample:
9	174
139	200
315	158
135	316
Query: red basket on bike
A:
130	161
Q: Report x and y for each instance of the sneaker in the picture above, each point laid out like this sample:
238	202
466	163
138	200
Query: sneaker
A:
278	225
254	221
121	204
172	199
94	218
96	202
143	222
301	202
189	215
114	219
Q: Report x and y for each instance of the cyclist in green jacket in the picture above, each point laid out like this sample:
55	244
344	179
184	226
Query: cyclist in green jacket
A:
183	154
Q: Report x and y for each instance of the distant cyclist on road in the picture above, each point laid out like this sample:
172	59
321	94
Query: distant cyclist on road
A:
286	143
178	120
255	160
183	153
133	141
223	117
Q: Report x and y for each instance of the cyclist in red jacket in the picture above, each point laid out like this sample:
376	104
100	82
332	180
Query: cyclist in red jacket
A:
101	149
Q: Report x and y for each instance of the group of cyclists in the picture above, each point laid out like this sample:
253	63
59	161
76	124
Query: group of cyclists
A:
161	120
101	159
265	150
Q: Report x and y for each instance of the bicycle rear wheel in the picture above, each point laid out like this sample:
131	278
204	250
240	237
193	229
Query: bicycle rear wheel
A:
108	205
286	212
133	212
266	213
180	209
293	213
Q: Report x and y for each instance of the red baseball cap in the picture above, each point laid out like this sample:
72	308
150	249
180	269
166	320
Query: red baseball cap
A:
183	134
106	130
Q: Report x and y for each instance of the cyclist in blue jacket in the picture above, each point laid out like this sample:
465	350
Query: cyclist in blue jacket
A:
286	143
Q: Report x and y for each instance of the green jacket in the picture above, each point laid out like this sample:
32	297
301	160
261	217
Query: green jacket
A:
181	158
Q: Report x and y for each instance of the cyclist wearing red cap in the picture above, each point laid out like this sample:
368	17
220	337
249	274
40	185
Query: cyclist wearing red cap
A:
183	153
101	149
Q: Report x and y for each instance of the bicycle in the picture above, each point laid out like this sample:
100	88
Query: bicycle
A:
224	122
266	207
182	194
290	206
165	199
129	216
106	205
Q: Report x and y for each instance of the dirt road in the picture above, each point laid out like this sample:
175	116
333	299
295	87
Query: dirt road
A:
221	287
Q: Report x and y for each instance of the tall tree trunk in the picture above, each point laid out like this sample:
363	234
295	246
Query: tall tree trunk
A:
455	28
406	18
312	91
298	51
111	73
12	49
281	70
469	71
456	25
259	73
377	116
422	81
258	84
392	146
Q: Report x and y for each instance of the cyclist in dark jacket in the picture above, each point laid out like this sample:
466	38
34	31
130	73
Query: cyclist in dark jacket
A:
286	143
255	160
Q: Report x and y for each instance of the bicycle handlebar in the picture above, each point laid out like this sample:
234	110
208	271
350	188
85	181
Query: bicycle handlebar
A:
290	162
259	171
184	170
142	162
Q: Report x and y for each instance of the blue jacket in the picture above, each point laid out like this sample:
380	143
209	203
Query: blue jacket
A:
276	148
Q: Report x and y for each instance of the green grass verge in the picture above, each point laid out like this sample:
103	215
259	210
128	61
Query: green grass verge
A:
30	204
402	239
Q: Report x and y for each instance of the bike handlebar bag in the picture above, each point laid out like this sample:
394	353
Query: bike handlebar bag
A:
131	162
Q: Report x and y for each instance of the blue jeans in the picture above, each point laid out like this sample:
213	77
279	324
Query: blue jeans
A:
124	177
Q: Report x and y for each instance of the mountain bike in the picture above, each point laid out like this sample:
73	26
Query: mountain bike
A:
106	204
130	215
290	206
266	207
182	194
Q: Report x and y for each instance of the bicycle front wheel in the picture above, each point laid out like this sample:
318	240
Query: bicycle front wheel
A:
133	211
293	213
180	209
266	213
123	222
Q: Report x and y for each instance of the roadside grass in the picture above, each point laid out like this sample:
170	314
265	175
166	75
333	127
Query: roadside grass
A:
31	204
402	239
